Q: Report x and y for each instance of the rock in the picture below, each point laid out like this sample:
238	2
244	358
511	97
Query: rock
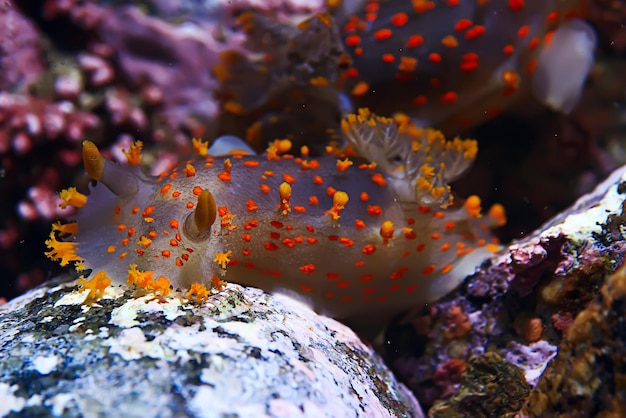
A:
588	376
243	353
522	305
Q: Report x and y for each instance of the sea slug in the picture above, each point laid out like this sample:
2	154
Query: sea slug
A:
356	237
459	62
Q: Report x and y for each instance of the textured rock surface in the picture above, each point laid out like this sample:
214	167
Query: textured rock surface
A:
521	304
244	353
588	377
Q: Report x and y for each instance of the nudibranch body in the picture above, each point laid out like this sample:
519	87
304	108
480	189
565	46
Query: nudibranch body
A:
457	62
353	238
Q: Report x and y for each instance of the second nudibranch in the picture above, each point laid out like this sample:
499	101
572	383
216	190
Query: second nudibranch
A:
459	62
354	239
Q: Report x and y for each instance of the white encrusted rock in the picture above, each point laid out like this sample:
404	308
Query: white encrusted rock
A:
244	353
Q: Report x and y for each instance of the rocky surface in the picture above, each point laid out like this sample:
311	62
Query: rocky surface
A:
529	306
243	353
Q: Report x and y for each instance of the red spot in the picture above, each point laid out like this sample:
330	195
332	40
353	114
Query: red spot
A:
246	252
342	284
166	253
289	178
462	24
382	34
448	97
197	190
347	242
299	209
352	72
368	290
313	200
179	262
148	210
310	228
364	197
399	19
388	58
474	32
379	179
274	235
410	221
369	249
248	265
288	242
374	210
394	288
398	274
270	246
532	65
330	191
118	209
359	224
552	16
468	66
329	295
318	180
534	43
420	248
420	100
429	270
251	205
305	287
383	298
333	237
224	176
414	41
251	163
410	289
508	50
276	224
359	263
449	225
311	240
371	7
346	299
265	188
185	257
307	268
523	31
434	57
366	277
410	235
353	40
332	276
135	210
516	5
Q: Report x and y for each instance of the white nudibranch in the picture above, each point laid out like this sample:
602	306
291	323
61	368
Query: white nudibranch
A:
354	238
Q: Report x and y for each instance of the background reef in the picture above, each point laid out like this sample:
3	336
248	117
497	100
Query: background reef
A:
162	73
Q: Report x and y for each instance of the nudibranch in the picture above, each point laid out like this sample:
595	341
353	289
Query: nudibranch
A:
354	238
455	63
